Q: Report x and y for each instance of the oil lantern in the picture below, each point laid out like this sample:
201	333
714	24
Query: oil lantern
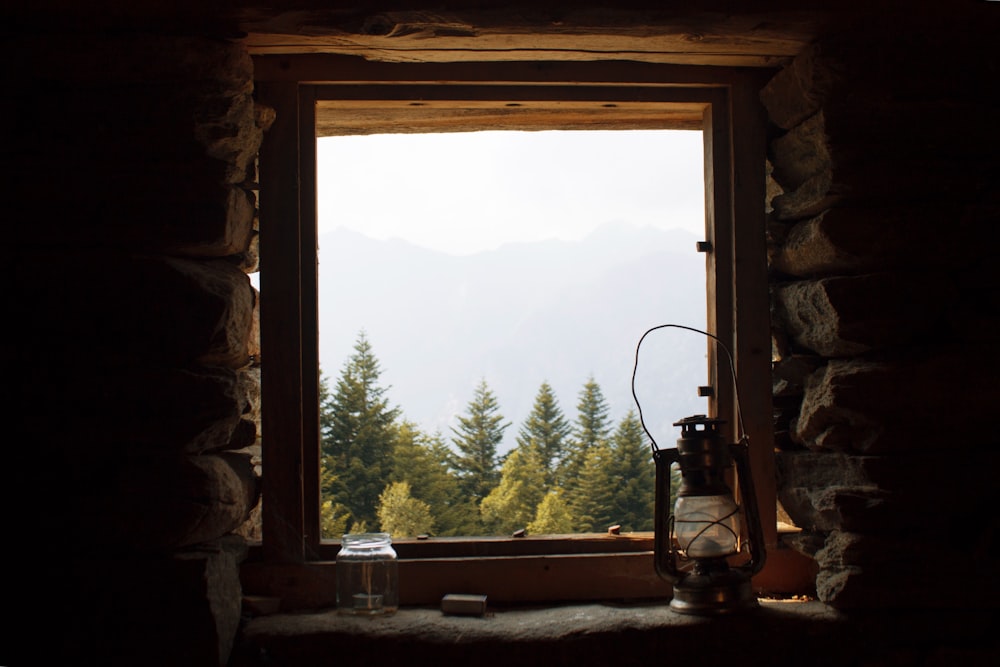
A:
697	538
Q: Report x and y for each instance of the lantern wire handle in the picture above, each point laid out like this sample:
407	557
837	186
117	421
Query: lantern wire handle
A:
732	370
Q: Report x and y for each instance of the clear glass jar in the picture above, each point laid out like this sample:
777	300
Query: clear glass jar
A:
367	575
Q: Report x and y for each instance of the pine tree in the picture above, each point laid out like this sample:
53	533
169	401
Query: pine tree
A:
402	515
359	435
552	516
422	461
333	516
512	505
479	433
634	476
546	430
590	499
590	429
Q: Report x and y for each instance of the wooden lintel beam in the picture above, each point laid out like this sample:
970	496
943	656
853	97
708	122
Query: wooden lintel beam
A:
686	36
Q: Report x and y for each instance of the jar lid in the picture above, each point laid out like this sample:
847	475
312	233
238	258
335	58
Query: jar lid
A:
367	539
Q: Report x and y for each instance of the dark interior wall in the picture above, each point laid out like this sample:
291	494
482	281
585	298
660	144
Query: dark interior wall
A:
130	162
884	307
131	367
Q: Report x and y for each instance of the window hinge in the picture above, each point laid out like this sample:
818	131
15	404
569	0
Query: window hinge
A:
704	246
706	391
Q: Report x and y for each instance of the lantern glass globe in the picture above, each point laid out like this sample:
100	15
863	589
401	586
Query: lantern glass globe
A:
706	526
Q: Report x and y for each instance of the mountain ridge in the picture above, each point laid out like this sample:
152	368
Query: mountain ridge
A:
525	313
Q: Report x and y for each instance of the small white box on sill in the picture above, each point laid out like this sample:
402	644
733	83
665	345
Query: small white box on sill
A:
459	604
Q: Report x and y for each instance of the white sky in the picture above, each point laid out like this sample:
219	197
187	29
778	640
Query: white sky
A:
466	192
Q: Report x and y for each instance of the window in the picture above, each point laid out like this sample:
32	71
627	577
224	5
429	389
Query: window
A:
514	258
722	103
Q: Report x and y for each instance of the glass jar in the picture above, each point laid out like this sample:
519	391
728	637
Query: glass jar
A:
367	575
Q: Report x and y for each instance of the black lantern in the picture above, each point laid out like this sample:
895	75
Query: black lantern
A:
706	545
697	537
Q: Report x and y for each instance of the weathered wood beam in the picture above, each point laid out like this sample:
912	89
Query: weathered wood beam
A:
705	38
350	110
358	118
342	69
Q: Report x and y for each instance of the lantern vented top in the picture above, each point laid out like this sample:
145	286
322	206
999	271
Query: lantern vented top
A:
694	421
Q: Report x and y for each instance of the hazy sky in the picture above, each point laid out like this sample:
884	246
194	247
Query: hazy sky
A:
466	192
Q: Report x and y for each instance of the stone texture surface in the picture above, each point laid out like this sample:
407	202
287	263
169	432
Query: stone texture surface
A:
889	495
849	315
801	153
877	245
812	197
779	633
850	241
904	407
209	305
156	503
871	572
801	89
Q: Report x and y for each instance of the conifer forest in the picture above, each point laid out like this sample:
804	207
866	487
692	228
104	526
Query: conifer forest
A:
380	472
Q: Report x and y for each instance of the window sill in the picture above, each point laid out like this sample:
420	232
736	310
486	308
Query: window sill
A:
619	634
779	634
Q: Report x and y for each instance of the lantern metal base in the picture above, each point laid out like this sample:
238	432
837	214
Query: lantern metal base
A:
713	594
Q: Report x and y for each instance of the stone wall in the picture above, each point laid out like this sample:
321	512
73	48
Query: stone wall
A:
885	205
132	204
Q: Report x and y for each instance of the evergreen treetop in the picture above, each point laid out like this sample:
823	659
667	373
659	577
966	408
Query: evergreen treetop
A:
359	434
480	431
546	430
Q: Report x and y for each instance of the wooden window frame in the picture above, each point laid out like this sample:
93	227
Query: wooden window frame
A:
292	562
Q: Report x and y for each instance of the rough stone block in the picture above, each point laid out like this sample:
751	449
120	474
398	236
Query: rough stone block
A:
801	89
845	316
802	152
887	495
178	206
145	410
228	130
860	240
156	503
842	137
886	179
871	572
136	310
812	197
911	406
249	383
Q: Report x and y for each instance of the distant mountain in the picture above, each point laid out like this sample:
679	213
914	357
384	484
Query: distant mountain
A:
554	311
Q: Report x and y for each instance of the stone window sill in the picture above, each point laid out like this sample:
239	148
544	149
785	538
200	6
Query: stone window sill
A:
779	634
608	634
